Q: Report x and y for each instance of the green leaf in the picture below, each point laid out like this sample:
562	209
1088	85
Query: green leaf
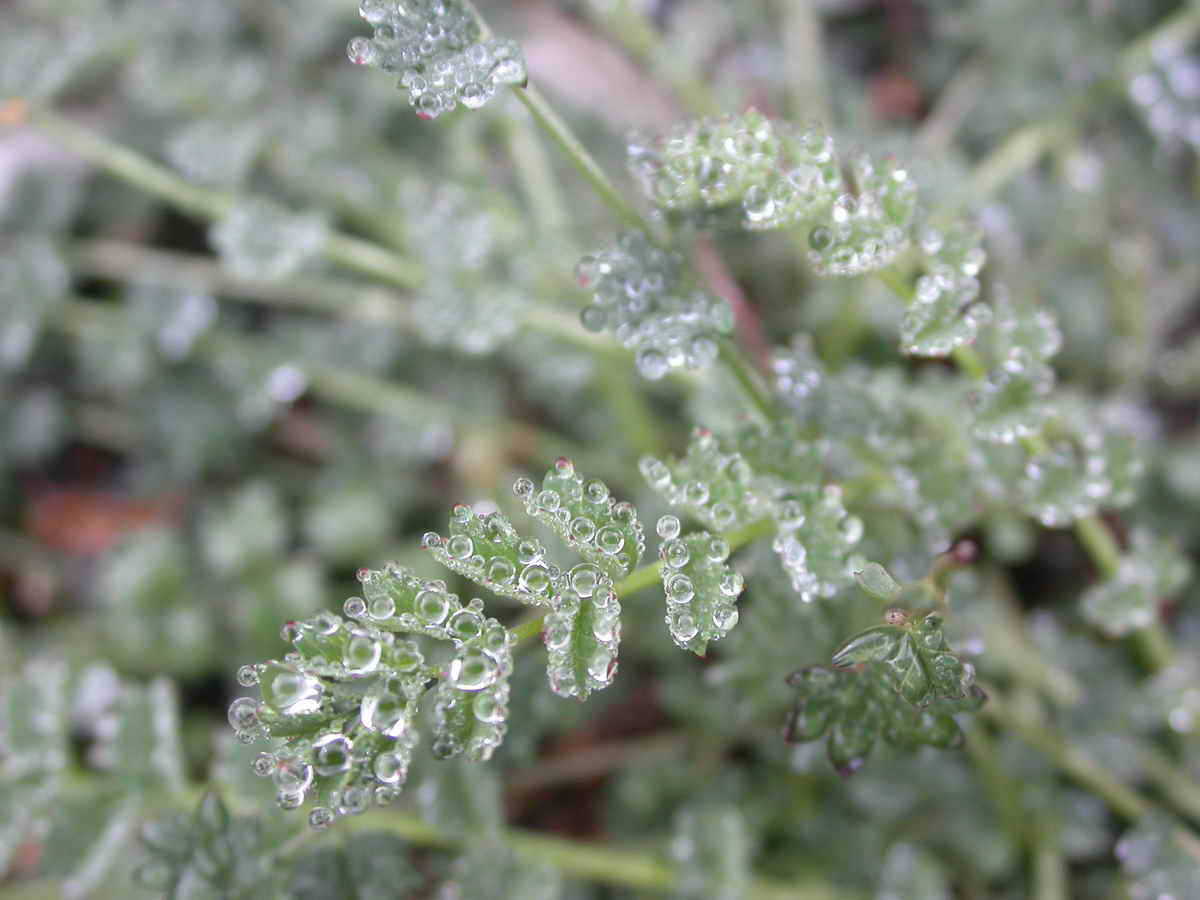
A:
491	871
146	751
914	874
247	529
1059	487
33	280
606	533
471	703
815	538
583	634
876	581
260	239
701	589
370	866
490	552
940	317
713	484
1161	858
711	849
901	684
642	295
89	833
436	46
1012	402
1149	574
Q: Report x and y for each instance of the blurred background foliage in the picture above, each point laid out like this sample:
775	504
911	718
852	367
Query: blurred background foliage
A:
278	352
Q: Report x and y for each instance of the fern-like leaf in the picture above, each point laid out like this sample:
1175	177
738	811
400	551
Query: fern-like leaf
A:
583	633
701	588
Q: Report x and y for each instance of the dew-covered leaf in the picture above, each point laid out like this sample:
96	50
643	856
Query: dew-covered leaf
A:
470	706
248	528
145	751
711	848
582	634
941	316
1058	485
711	483
1160	858
700	587
491	871
33	280
259	239
438	49
641	294
368	866
490	552
815	538
1150	573
88	835
584	514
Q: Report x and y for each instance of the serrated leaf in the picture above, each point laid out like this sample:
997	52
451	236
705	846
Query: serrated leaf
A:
146	750
940	317
876	581
917	659
641	294
370	866
701	589
470	705
815	537
436	46
246	529
490	552
1059	487
606	533
582	634
712	484
901	684
1012	403
88	833
750	172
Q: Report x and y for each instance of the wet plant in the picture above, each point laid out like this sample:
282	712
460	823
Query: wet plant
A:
815	471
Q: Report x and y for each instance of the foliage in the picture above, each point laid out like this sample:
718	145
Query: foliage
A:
908	393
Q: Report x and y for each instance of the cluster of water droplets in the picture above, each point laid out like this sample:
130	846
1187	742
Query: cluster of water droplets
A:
639	293
435	47
1149	573
583	633
712	484
33	280
815	539
489	551
753	173
586	516
259	239
700	587
944	314
1012	403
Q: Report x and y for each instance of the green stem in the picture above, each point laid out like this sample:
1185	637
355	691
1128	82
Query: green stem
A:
1177	787
619	868
1068	758
206	203
561	135
804	58
1050	876
736	363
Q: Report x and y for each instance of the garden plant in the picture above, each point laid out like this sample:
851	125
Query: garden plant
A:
594	449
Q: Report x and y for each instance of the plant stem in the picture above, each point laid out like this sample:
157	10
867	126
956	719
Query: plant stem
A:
1050	875
206	203
1024	148
748	380
1069	759
604	865
561	135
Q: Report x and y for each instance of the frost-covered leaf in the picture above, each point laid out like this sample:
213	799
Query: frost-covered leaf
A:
1151	572
260	239
1059	486
586	516
491	871
489	551
943	314
753	173
369	866
33	280
711	847
1160	858
641	294
438	50
901	684
582	634
701	589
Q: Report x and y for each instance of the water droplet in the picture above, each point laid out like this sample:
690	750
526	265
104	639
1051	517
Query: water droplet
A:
474	670
668	528
332	754
288	690
321	818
